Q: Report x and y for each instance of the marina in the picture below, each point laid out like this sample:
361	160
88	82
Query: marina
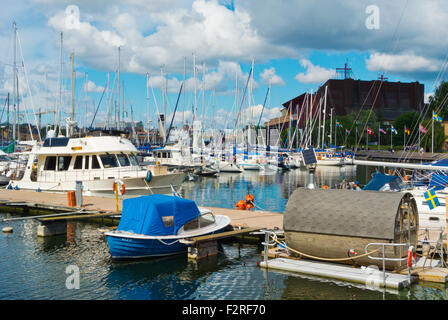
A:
209	150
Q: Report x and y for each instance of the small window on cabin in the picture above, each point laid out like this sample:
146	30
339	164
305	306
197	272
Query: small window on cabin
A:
109	161
86	162
78	163
168	221
123	160
133	160
50	163
64	162
95	163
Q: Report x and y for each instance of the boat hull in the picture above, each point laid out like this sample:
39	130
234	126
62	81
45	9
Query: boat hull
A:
130	246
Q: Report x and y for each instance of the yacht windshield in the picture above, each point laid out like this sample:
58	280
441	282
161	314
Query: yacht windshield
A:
124	161
109	161
133	160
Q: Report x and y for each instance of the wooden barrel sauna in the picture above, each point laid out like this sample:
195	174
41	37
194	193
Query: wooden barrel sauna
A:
329	223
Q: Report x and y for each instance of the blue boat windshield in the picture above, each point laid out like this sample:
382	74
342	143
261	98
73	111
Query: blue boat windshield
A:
156	214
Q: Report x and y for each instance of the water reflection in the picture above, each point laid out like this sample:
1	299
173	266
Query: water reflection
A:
271	190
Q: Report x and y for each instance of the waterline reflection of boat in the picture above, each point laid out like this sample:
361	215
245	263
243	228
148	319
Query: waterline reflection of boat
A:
152	226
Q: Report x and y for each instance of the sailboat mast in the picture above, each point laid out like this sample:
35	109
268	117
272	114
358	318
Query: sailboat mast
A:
118	91
325	111
59	108
72	117
15	89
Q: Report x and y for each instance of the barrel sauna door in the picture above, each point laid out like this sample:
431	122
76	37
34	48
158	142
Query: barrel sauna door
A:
406	227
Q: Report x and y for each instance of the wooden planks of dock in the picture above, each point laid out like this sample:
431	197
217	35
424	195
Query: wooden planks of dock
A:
106	206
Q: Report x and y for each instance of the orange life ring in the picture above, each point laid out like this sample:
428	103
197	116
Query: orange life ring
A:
412	255
325	187
121	188
249	197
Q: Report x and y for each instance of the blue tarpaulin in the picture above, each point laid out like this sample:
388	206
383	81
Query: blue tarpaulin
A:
380	179
146	215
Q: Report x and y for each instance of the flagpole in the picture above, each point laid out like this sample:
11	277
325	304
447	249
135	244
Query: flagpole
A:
379	136
432	138
404	138
367	140
391	137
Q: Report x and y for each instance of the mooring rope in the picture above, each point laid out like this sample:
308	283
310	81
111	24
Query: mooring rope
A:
325	259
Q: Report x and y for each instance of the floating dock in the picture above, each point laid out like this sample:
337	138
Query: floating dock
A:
366	276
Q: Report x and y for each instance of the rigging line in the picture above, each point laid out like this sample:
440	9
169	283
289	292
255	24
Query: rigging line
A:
29	89
244	96
99	103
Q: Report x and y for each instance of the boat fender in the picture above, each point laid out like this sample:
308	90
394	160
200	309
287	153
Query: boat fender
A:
121	187
148	176
16	188
412	257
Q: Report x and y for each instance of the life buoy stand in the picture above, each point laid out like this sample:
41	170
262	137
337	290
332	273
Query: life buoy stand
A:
121	187
412	257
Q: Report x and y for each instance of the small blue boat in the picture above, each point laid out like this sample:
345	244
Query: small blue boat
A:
154	225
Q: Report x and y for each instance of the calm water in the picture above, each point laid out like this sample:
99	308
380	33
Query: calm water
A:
35	268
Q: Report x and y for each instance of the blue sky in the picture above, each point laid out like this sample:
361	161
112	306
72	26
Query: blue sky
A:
296	44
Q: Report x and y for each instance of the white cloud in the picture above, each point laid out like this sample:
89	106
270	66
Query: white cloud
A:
92	87
269	75
314	74
407	62
427	95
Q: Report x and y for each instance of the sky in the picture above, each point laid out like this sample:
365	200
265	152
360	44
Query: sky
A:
295	45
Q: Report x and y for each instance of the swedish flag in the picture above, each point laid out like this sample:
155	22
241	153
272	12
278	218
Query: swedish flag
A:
431	199
436	117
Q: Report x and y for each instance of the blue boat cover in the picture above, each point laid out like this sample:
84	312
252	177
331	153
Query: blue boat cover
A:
438	181
380	179
145	215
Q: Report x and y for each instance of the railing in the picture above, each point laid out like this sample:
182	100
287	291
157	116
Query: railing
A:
91	174
384	259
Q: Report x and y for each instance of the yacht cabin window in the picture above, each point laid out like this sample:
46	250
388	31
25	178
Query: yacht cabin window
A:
124	161
64	162
86	162
78	163
50	163
109	161
95	163
133	160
